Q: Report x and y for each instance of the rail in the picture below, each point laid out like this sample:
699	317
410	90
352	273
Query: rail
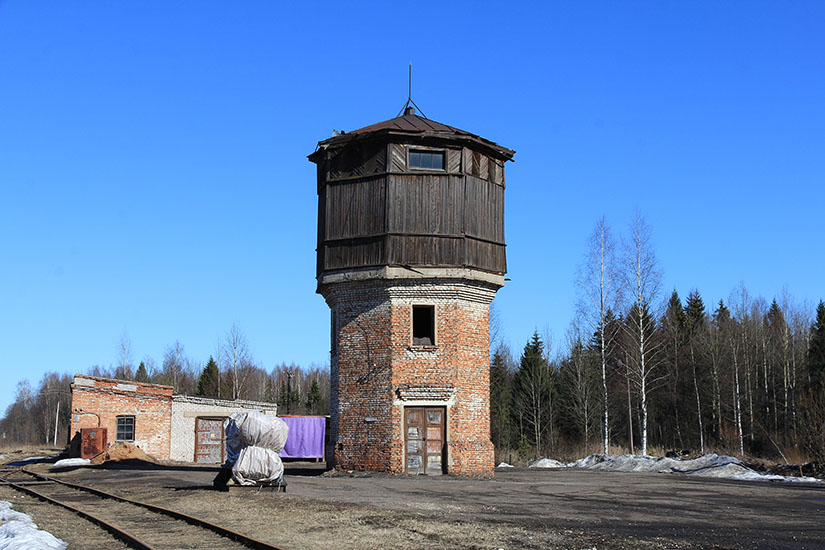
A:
131	539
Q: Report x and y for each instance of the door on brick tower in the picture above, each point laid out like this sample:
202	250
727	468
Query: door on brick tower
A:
424	440
209	447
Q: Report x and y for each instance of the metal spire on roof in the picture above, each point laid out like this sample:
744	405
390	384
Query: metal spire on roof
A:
406	109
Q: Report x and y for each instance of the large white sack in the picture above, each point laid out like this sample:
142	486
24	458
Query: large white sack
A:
257	465
252	428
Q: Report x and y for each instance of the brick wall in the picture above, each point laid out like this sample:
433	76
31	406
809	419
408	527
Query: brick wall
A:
106	399
376	371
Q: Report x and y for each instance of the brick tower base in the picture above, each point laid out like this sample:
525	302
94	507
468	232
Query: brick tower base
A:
378	372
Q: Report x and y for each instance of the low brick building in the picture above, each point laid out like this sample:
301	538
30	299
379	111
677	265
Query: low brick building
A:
165	426
130	411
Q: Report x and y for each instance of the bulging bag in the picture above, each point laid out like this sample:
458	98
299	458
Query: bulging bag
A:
253	429
257	465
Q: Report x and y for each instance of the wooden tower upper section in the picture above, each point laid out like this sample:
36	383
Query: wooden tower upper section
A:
408	194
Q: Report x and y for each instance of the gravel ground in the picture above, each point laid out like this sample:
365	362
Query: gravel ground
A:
575	509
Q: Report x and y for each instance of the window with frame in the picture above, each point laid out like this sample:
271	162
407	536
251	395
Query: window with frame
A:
125	428
423	329
427	160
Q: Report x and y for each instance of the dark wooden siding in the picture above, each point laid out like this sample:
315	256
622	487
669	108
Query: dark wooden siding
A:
409	250
379	213
355	253
425	204
356	209
355	162
484	210
454	161
398	161
486	256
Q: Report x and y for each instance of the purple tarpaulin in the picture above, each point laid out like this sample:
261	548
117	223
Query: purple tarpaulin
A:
306	437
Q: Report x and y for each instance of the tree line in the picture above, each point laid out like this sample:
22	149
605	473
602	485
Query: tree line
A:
42	415
636	371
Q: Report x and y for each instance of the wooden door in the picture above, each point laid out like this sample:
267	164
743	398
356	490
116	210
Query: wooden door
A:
209	440
424	440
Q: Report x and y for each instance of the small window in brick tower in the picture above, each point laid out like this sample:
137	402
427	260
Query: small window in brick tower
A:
423	325
125	428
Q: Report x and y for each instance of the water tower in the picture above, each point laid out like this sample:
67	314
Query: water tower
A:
410	256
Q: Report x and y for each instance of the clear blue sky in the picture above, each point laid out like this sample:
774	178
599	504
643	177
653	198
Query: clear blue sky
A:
154	181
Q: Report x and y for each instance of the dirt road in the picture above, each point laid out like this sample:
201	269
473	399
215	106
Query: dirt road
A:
563	508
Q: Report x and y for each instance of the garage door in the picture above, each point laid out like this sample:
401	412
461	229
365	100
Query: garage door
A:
209	440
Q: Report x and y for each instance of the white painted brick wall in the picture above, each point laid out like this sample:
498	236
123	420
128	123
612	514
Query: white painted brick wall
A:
183	425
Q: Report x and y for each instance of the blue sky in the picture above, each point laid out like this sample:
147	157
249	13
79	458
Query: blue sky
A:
154	181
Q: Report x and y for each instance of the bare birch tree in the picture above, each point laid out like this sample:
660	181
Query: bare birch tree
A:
124	367
737	401
642	278
598	291
236	356
173	365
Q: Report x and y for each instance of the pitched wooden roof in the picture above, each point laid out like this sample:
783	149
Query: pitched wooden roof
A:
413	125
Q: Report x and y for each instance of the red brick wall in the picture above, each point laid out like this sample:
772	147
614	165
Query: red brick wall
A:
375	358
150	404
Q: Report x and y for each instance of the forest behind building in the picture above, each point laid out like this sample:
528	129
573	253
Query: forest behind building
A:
42	415
646	371
639	370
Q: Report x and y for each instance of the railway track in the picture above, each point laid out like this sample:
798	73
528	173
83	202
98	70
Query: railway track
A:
137	524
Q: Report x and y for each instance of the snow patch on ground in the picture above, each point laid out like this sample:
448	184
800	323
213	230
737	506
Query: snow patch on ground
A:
505	465
19	532
710	465
69	462
546	463
26	461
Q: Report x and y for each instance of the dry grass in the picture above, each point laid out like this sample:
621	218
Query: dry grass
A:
294	522
81	534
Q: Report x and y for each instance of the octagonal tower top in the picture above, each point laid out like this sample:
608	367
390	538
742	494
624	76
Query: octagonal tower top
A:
410	197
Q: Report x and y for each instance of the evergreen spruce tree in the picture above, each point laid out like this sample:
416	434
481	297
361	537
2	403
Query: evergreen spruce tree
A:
313	398
500	400
815	358
269	390
141	375
695	317
812	402
721	317
674	337
695	327
532	398
209	379
285	398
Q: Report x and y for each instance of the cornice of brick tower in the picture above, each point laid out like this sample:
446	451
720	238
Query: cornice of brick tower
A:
411	253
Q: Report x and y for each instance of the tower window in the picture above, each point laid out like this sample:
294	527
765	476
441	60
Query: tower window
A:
423	325
427	160
125	428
